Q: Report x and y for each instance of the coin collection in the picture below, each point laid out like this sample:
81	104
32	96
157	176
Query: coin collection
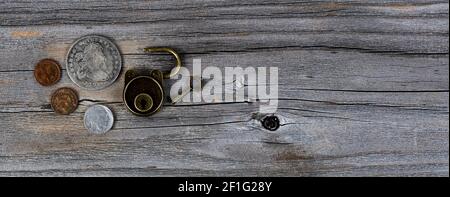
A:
93	63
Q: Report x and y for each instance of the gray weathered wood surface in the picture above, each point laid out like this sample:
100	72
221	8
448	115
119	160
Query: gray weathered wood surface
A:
364	89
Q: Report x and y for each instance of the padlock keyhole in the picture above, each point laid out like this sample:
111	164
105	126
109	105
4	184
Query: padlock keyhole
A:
143	102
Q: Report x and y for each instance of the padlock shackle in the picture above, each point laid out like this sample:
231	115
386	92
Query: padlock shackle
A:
175	70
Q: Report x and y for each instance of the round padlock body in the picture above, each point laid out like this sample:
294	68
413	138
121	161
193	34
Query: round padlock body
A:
143	95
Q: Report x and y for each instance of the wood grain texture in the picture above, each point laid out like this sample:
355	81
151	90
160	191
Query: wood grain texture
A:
364	89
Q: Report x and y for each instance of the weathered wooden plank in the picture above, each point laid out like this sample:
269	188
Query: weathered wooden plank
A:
107	12
228	137
363	89
343	71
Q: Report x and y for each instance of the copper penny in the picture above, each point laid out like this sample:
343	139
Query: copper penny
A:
64	101
47	72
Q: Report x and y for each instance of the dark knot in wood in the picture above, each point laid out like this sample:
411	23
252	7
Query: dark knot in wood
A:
271	123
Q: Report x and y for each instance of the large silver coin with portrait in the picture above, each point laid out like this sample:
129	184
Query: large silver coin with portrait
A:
93	62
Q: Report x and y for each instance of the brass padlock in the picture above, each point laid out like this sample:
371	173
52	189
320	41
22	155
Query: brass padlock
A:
143	94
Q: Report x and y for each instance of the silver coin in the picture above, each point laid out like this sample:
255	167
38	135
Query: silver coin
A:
98	119
93	62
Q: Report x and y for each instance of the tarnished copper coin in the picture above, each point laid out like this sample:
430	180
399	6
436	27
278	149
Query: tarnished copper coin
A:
64	101
47	72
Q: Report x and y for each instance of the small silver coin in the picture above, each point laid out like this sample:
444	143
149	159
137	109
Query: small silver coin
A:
93	62
98	119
